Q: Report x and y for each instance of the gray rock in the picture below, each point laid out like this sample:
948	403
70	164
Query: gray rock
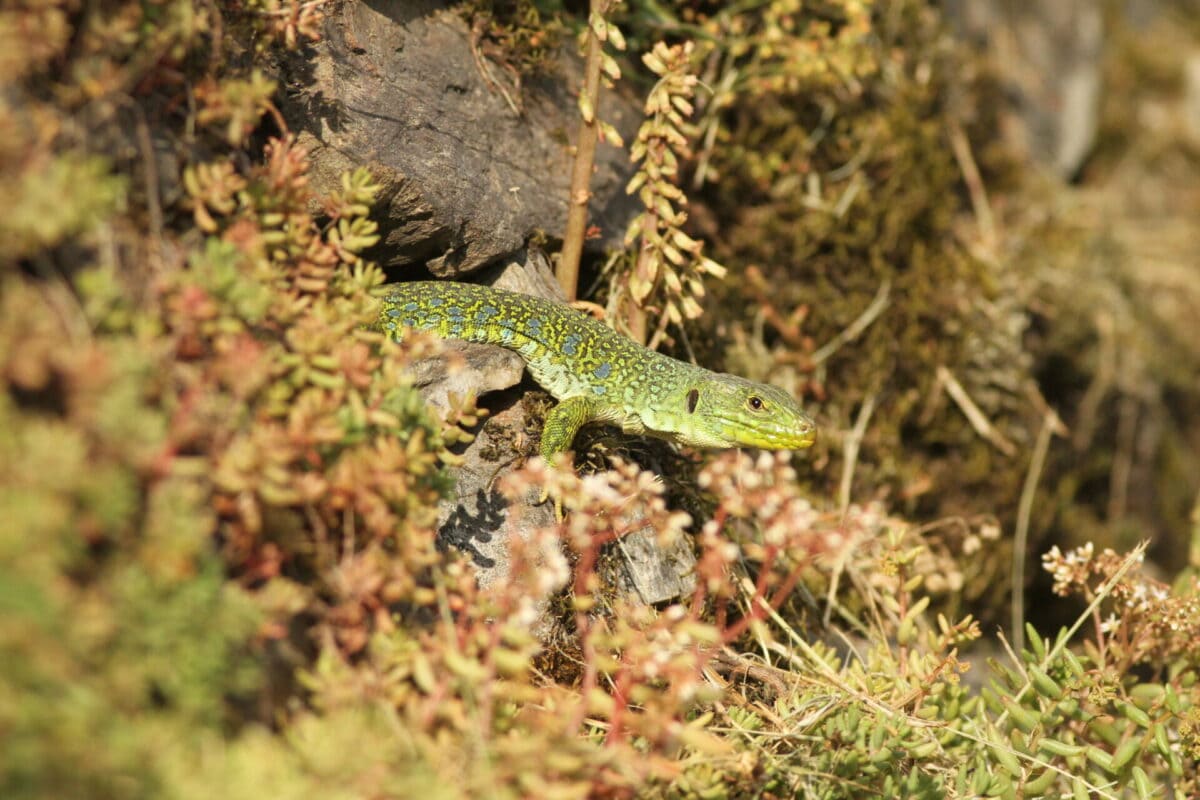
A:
1050	55
466	368
395	86
478	519
528	273
652	573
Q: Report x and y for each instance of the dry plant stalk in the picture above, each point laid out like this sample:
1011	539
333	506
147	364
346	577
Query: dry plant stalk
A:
597	66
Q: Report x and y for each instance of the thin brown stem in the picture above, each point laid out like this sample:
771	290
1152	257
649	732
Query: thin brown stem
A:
636	318
760	591
1050	426
616	731
581	170
583	627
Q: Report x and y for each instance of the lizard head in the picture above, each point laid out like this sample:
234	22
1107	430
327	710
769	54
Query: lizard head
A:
728	411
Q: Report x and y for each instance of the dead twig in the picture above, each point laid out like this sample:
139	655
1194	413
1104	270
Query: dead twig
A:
485	71
733	665
855	329
850	448
975	188
585	156
975	416
1051	425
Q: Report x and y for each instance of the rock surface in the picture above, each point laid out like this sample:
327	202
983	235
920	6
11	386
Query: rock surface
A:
476	519
397	87
652	573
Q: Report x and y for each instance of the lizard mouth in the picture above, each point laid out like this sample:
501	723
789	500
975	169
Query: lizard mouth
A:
799	436
805	434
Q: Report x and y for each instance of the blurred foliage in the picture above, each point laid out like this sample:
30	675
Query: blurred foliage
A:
184	408
844	155
863	283
1115	298
218	570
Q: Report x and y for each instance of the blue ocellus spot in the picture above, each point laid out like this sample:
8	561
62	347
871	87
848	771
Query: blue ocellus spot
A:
391	326
455	311
486	313
603	370
570	345
599	389
393	312
534	325
409	322
436	302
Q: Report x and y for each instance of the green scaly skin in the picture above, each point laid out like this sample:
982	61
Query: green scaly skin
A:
597	375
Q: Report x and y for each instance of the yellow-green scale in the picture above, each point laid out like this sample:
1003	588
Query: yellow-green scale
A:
598	375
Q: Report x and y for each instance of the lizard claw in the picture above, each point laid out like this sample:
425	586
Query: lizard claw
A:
559	515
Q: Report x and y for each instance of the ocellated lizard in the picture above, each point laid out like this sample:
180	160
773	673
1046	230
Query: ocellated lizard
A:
598	375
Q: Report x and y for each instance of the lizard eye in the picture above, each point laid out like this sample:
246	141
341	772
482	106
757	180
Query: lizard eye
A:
755	403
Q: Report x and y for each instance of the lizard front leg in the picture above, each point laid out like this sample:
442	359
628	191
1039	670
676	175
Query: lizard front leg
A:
563	422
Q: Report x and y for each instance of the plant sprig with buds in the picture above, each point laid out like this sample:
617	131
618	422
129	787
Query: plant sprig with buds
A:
668	270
